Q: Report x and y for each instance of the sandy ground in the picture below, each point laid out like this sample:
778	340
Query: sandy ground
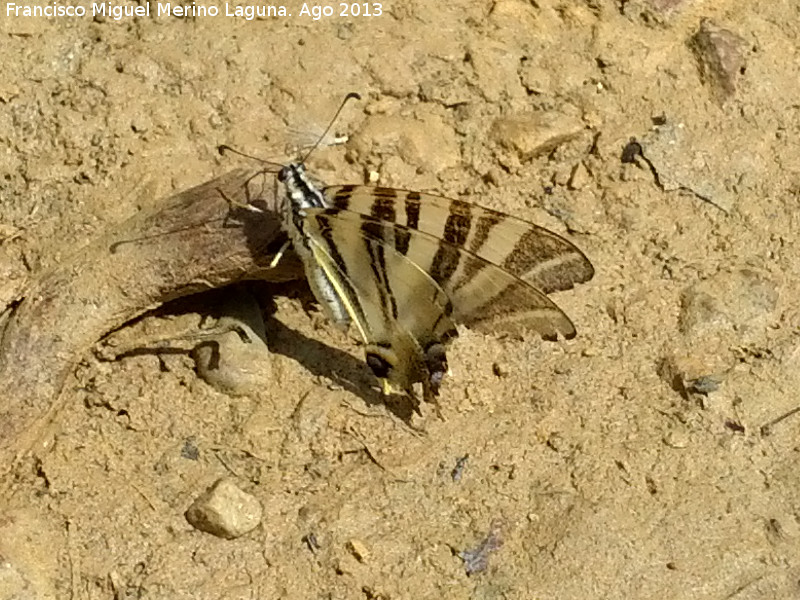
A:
639	460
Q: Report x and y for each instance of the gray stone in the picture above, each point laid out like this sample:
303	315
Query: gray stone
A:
698	373
690	160
654	12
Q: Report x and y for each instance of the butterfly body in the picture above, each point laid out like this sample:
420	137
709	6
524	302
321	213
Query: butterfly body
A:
303	195
406	267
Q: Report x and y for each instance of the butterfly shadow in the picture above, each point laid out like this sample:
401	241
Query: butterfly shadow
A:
337	366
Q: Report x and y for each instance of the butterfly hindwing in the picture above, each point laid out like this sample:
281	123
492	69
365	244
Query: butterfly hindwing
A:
402	315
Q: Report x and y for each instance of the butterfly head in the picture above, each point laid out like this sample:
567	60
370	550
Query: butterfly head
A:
290	172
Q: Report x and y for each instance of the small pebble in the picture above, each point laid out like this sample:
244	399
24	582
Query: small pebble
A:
535	134
689	374
190	450
358	549
579	178
720	55
654	12
236	361
676	439
706	384
685	160
458	470
496	68
225	510
727	299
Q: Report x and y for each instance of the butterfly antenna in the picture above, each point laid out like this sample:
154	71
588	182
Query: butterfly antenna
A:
223	148
350	96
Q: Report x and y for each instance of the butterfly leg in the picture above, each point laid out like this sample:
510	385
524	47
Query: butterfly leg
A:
274	262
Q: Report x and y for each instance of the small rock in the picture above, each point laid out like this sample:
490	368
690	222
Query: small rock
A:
689	375
236	362
676	439
224	510
705	384
654	12
443	89
688	160
190	451
720	57
579	177
729	299
496	70
232	365
358	549
141	123
513	13
477	559
394	71
426	143
458	470
535	134
345	32
536	78
8	92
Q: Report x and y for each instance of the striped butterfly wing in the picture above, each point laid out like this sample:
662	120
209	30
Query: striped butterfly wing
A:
402	315
536	255
478	293
494	267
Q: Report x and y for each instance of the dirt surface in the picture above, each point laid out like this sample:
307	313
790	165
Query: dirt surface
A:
644	459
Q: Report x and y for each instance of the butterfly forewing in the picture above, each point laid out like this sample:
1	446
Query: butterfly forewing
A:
534	254
483	295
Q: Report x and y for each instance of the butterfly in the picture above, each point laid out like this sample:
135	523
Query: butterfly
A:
405	268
